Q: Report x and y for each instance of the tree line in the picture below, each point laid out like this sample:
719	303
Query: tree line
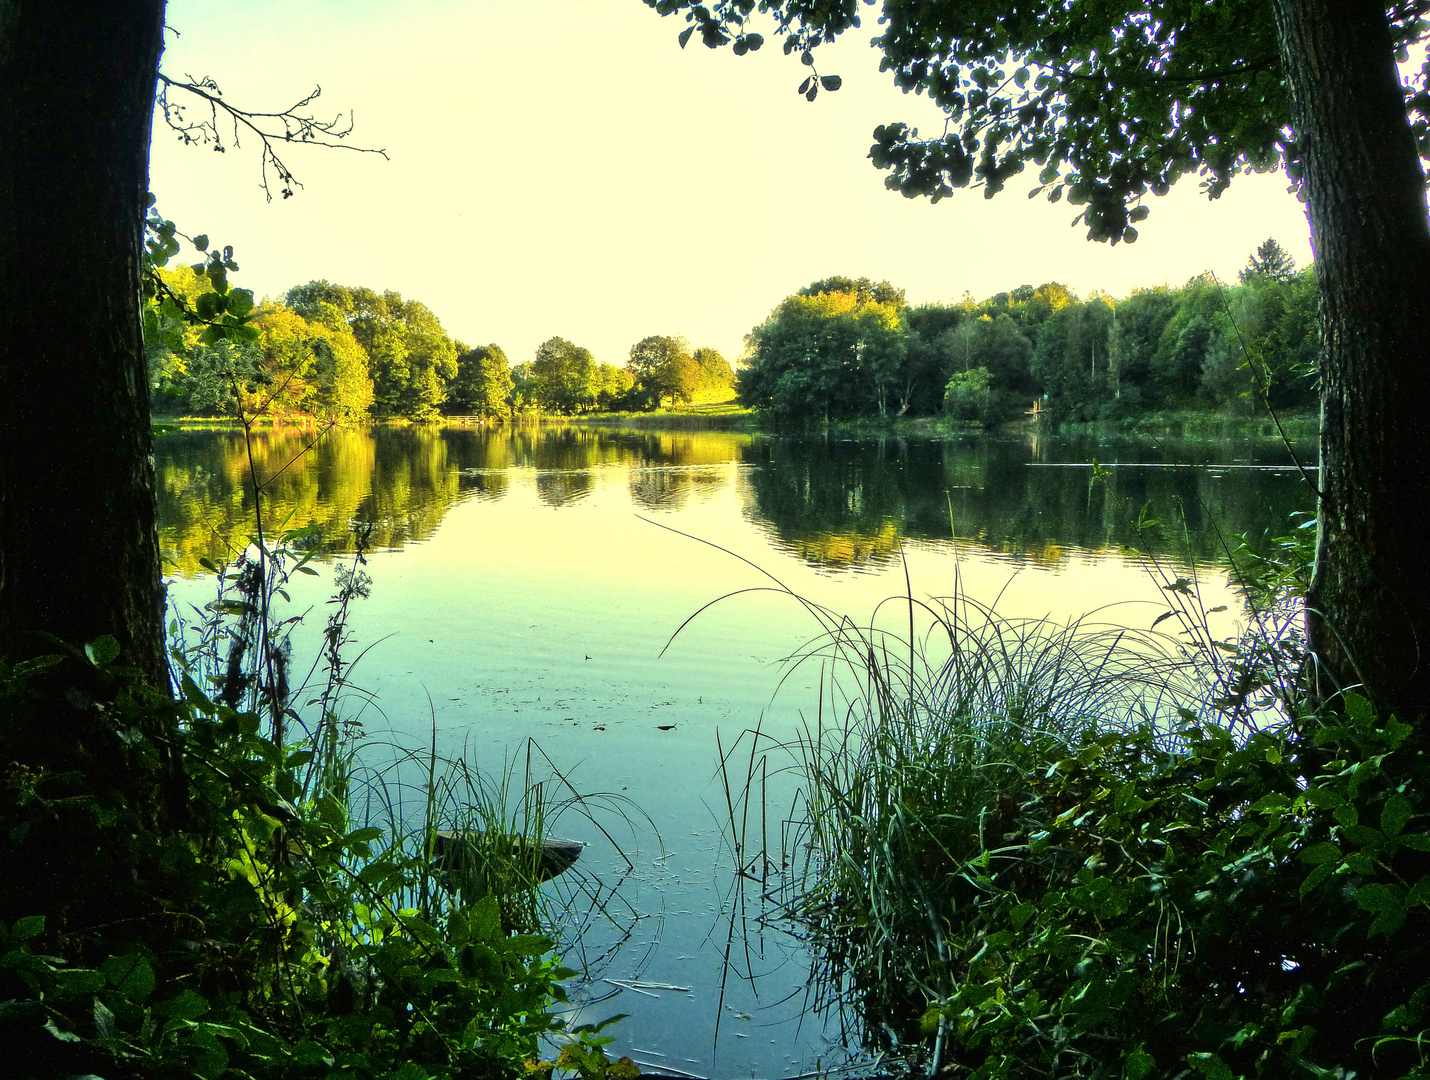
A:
843	348
345	354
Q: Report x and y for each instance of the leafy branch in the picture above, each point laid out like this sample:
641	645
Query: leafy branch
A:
224	314
295	124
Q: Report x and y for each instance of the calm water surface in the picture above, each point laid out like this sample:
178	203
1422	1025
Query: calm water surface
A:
527	591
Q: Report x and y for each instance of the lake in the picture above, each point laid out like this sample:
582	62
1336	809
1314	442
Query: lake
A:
529	583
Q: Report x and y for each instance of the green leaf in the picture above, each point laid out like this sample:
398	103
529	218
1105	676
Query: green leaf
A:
1211	1066
130	975
63	1036
186	1005
1021	914
201	242
1316	876
1379	897
28	927
1138	1064
1323	797
1395	814
831	82
208	305
79	980
240	302
1360	863
685	36
1359	708
192	694
1415	841
1386	923
1321	853
1419	892
102	651
103	1020
1362	835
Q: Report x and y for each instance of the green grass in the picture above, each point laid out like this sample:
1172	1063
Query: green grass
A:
724	416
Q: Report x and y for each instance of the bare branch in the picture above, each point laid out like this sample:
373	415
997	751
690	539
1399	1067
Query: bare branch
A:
292	125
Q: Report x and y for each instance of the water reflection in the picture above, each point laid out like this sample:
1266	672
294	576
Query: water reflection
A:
834	503
403	480
839	503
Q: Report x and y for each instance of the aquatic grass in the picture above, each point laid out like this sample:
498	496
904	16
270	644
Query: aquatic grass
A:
504	814
910	776
910	771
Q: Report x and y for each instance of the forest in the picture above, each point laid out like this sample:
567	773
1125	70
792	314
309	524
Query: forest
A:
844	349
342	354
838	349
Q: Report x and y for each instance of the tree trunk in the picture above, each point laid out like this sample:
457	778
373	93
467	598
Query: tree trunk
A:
1368	615
78	542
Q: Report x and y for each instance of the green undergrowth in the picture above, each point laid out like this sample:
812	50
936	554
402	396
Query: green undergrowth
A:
1024	850
1167	904
258	936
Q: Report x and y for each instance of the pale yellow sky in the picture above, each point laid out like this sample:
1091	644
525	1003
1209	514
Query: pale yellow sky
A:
563	167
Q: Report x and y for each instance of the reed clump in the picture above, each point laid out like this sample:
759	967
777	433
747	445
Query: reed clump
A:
1022	850
911	778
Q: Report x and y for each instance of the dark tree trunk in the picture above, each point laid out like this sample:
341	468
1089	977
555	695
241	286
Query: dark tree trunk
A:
78	543
1369	604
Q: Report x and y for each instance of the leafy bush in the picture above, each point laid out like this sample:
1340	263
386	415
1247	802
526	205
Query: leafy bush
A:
265	936
969	396
1253	908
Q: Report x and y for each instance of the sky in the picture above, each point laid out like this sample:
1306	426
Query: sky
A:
562	167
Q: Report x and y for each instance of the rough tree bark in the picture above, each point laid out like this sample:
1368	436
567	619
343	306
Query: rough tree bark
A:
78	542
1369	603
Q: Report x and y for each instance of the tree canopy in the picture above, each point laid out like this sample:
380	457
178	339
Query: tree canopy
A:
1111	102
825	354
565	376
663	367
412	359
483	383
1200	346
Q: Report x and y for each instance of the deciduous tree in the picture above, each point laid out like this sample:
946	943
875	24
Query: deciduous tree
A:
715	370
483	383
663	367
565	376
410	356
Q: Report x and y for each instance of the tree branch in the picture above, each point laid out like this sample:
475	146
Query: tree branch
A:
292	125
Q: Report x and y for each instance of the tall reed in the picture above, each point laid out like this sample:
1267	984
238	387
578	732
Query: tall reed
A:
908	771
